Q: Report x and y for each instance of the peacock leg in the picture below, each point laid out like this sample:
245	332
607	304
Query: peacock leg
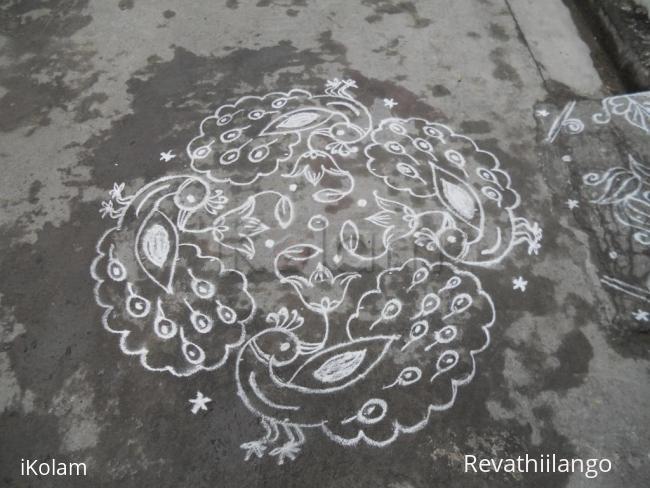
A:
259	446
525	232
291	448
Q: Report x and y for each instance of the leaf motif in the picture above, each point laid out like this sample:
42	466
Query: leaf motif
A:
253	226
390	236
157	248
301	252
340	366
301	119
382	218
392	206
350	236
155	244
640	169
314	176
284	211
247	247
638	115
459	199
619	186
298	120
328	195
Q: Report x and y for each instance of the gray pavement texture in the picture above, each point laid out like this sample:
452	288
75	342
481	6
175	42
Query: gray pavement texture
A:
544	351
623	27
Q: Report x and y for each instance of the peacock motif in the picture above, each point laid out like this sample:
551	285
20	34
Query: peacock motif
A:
329	205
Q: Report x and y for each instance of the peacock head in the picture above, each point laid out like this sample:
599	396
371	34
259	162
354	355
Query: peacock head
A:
277	346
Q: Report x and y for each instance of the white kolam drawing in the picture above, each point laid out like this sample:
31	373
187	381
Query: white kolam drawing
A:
634	108
275	181
627	191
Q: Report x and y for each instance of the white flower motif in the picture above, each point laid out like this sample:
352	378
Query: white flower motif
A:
519	284
107	209
167	156
572	204
200	402
389	103
117	190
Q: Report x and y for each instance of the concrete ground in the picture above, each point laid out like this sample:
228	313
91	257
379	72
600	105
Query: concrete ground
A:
91	94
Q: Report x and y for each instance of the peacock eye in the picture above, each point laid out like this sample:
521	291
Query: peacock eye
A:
162	326
226	314
452	283
418	329
201	152
391	309
446	361
420	275
409	375
446	334
136	305
491	193
279	103
193	353
407	170
116	270
460	303
202	288
486	175
229	157
372	411
394	147
231	135
423	145
201	322
257	154
454	157
224	119
430	303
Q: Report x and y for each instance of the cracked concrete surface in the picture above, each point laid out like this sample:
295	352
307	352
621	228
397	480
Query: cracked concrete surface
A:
92	91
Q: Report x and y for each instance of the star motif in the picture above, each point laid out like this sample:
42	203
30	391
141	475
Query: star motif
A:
519	284
389	102
167	156
641	315
200	402
572	204
542	113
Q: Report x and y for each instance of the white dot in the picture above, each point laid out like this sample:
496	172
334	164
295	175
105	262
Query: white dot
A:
293	187
191	198
566	158
337	258
269	243
362	202
340	132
